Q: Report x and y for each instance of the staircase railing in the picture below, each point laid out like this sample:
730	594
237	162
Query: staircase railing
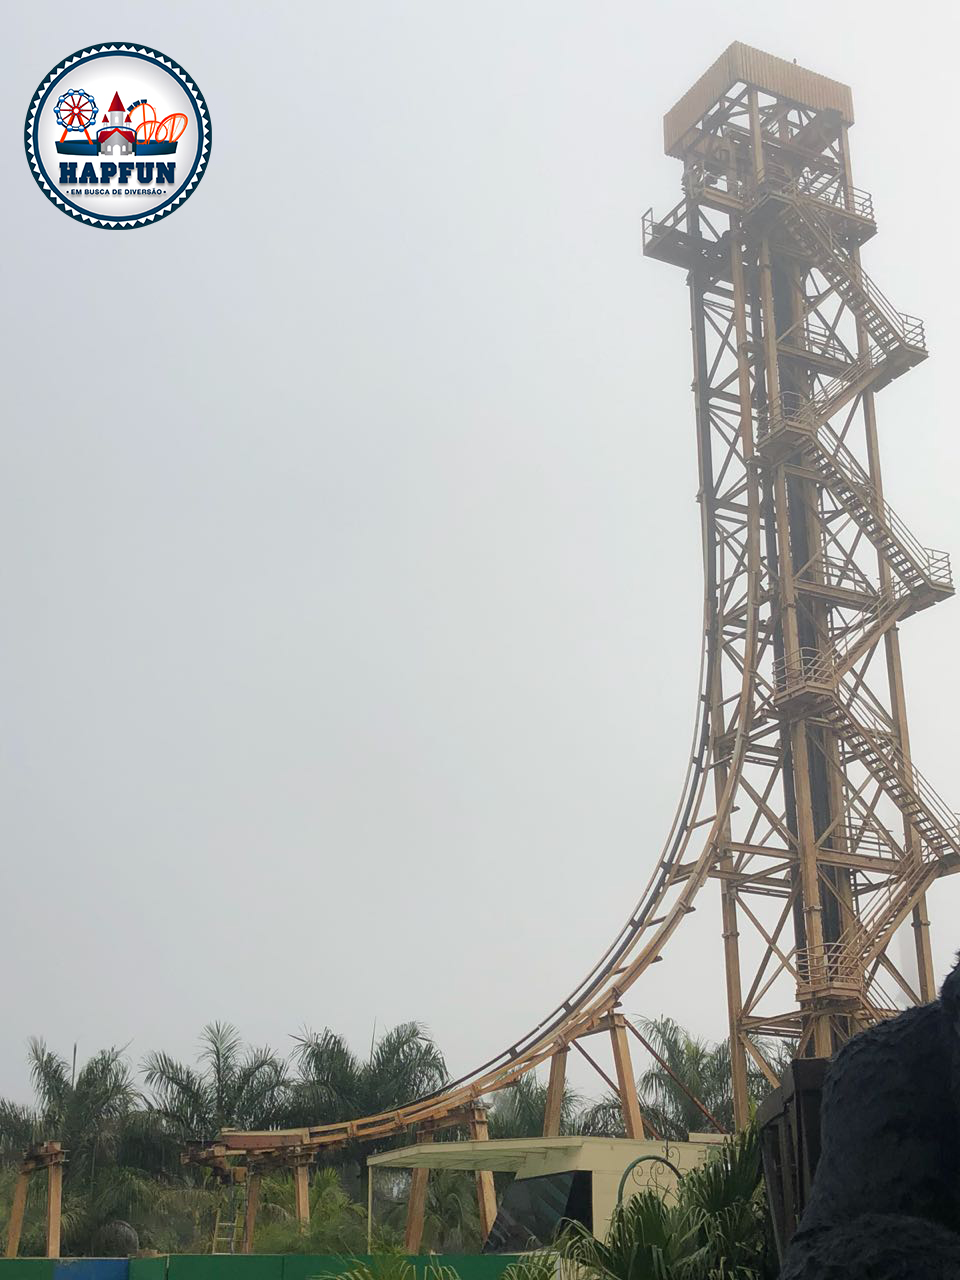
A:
907	329
829	193
792	409
654	228
814	668
860	717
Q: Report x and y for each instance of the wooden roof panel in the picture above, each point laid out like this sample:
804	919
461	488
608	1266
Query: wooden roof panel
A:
741	63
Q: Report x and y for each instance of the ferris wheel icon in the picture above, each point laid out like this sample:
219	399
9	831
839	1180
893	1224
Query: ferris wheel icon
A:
76	110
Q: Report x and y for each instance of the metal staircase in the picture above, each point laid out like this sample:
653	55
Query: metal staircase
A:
868	740
920	568
817	671
795	424
898	336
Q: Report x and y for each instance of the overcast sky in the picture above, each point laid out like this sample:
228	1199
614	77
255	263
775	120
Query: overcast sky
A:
349	559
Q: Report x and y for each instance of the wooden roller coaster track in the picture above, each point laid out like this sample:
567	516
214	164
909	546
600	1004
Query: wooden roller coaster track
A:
800	799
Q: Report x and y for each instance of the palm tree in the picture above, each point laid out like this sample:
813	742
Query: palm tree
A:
518	1110
601	1119
699	1068
96	1114
236	1087
334	1084
18	1130
451	1221
87	1113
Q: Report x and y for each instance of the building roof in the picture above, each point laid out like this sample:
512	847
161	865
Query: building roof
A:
528	1157
742	64
116	104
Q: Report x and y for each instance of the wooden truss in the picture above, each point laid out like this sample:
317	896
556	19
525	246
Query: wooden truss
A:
51	1157
831	837
801	798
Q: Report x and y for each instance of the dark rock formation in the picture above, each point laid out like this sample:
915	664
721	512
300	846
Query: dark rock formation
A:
885	1203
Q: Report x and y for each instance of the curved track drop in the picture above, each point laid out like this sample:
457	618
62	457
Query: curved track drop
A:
800	796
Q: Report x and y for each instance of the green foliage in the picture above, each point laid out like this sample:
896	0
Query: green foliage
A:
387	1266
333	1083
238	1087
338	1225
124	1168
704	1070
712	1230
541	1265
451	1220
518	1111
648	1239
726	1194
86	1115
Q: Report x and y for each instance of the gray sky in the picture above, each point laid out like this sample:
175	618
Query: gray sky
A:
350	636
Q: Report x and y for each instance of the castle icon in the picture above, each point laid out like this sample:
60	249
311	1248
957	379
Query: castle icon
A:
115	139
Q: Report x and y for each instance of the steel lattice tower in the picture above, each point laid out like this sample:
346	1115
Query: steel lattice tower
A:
827	837
801	798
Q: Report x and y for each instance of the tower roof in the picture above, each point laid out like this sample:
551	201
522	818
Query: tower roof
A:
116	104
742	64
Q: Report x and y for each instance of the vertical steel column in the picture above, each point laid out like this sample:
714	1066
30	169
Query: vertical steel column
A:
898	702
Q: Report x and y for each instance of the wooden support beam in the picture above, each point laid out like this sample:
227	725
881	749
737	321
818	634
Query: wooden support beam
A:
626	1085
54	1204
253	1204
486	1191
416	1209
416	1205
553	1112
15	1225
301	1192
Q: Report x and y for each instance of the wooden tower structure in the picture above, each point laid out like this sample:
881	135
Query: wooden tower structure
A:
801	799
830	836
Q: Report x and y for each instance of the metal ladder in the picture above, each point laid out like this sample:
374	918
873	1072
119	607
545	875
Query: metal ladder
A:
229	1222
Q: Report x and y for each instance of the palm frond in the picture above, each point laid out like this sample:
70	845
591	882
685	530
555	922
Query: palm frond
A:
49	1075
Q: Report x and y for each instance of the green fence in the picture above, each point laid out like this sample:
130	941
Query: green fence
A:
254	1266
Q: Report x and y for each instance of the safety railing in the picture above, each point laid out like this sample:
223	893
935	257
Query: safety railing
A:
819	669
799	413
861	718
908	329
807	668
855	837
836	195
655	228
825	397
828	191
877	917
832	571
